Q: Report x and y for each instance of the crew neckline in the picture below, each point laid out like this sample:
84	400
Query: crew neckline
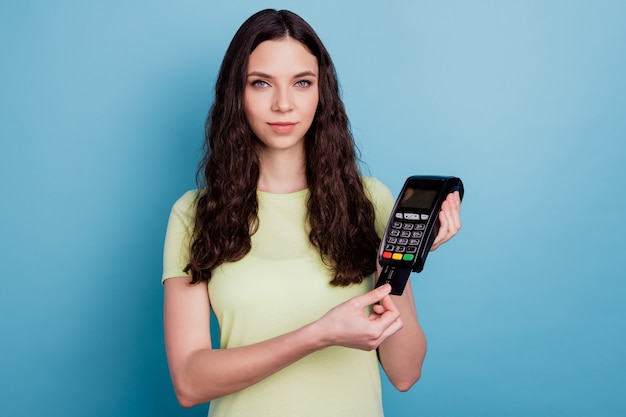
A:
282	196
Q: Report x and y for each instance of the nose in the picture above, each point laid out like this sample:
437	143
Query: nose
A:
282	100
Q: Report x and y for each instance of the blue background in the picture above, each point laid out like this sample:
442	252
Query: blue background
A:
102	106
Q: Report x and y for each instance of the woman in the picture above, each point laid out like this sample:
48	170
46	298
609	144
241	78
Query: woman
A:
281	241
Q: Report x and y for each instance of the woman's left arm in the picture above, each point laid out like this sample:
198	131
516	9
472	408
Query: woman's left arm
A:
402	354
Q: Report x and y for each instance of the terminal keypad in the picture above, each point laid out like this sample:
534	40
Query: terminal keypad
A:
405	235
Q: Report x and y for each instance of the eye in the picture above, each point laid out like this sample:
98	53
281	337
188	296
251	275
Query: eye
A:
259	84
303	83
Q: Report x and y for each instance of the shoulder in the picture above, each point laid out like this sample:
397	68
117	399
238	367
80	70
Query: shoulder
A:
178	235
187	200
381	199
185	206
184	210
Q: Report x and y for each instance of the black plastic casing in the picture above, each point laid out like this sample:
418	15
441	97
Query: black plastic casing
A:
436	189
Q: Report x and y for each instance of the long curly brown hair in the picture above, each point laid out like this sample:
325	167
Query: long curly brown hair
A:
340	215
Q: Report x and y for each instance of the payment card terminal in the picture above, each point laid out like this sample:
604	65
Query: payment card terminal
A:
412	227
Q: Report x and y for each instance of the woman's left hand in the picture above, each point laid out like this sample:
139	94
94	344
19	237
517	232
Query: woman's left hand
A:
450	219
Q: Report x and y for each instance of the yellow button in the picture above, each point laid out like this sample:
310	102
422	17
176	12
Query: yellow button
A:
397	256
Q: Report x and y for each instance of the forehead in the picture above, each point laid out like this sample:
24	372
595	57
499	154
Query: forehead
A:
282	56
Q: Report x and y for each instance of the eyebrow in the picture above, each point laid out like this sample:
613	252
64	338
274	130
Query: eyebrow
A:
299	75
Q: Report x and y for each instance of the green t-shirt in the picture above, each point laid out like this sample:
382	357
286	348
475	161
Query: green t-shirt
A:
279	286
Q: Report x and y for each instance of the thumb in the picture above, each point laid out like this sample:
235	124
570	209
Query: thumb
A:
374	296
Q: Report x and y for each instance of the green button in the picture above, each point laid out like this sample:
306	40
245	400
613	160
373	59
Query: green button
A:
408	257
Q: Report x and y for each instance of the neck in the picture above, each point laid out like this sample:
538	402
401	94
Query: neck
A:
282	172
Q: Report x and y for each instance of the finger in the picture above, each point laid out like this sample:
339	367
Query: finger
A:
387	304
384	305
377	309
454	198
454	211
390	312
392	329
450	229
449	219
373	296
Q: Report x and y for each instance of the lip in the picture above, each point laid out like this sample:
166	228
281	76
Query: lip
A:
282	127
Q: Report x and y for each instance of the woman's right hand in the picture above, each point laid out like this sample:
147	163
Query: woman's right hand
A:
201	373
352	324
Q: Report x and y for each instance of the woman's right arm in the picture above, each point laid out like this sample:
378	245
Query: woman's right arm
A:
201	373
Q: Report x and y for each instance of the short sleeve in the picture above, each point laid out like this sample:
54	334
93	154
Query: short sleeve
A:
178	235
383	202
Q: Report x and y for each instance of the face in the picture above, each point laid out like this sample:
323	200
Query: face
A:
281	93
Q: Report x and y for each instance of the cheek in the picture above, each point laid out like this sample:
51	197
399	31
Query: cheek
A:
312	106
